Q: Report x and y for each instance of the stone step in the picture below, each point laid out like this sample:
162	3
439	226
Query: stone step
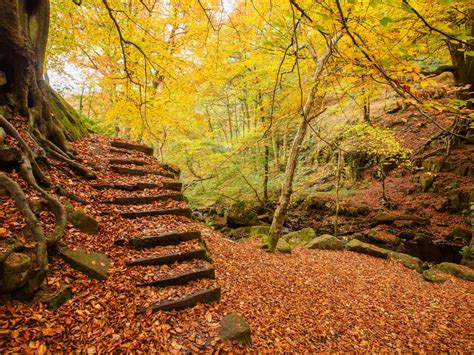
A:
171	238
169	258
172	169
119	151
173	185
204	296
186	212
128	162
144	200
182	279
130	146
127	187
139	172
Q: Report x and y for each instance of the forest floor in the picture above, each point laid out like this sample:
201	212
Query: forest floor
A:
310	300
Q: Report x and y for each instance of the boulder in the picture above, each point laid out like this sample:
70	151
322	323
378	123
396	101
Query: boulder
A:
406	260
433	275
82	221
456	270
365	248
383	218
317	202
301	237
55	299
283	246
234	327
326	242
14	271
93	264
382	237
240	215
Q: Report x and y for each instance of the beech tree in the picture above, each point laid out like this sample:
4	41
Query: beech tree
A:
27	100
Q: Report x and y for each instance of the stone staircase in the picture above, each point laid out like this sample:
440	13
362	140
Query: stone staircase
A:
199	258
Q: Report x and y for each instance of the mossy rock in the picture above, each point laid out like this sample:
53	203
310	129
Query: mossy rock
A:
368	249
301	237
82	221
14	272
325	242
461	233
93	264
234	327
382	237
383	218
468	257
248	232
55	299
406	260
240	216
433	275
283	246
456	270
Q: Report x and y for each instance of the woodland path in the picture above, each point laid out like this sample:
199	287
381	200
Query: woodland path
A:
309	300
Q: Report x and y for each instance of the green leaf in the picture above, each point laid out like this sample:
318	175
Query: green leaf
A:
470	53
351	1
407	8
386	21
445	2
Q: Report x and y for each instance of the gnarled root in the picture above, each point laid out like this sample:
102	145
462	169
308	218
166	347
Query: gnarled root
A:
16	192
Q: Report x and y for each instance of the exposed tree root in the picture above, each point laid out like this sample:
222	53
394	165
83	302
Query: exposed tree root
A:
21	202
63	192
31	172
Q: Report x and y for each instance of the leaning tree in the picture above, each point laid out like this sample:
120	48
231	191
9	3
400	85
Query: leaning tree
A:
35	124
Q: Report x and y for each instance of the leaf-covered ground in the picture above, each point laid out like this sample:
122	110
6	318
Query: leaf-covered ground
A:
307	301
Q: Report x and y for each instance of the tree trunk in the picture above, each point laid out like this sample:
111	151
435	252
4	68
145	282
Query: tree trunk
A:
24	26
306	117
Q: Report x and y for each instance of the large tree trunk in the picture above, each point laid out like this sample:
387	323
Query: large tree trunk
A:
24	26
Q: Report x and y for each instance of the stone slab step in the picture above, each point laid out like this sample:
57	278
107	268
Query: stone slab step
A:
171	238
127	187
170	168
186	212
182	279
130	146
205	296
119	151
128	162
173	185
139	172
144	200
169	258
